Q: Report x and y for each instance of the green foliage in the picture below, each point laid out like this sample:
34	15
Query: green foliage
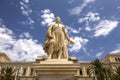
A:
7	73
98	69
116	74
104	73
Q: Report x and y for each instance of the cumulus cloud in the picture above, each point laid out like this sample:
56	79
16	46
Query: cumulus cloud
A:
26	49
79	43
21	49
105	27
90	16
47	16
77	10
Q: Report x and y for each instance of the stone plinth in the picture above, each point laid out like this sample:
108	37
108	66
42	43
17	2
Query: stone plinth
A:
56	69
56	61
56	77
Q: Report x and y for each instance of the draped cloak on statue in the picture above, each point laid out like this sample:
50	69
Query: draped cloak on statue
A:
56	34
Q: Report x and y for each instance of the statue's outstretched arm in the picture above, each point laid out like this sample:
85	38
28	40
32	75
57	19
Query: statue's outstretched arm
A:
67	37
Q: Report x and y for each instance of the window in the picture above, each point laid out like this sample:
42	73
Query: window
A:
119	59
31	73
24	71
80	71
116	59
88	72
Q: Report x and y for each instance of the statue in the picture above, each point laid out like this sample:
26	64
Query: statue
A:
57	40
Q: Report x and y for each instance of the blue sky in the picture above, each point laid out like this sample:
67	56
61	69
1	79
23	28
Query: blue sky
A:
92	24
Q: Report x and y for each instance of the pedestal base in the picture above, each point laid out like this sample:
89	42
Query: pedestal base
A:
56	61
56	69
56	77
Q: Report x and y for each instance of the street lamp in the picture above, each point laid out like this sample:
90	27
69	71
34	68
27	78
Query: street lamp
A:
0	69
16	73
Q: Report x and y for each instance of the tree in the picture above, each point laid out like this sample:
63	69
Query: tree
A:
116	74
7	73
98	69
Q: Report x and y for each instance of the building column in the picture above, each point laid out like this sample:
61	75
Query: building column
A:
28	71
14	67
112	59
93	74
84	71
0	68
21	71
78	73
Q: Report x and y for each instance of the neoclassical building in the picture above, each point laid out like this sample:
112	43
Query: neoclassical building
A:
55	69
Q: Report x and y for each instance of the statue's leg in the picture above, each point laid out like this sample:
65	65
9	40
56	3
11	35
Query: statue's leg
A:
59	54
50	51
65	49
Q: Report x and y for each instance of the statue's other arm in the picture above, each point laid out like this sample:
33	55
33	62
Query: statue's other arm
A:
66	35
49	32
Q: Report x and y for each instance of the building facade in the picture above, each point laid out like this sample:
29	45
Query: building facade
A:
43	69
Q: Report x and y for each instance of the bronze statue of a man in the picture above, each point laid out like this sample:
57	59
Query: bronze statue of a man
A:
56	41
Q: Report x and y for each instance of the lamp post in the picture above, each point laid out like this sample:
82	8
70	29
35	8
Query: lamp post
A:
16	73
0	69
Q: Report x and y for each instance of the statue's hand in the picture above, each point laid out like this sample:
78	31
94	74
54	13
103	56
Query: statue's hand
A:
72	42
49	35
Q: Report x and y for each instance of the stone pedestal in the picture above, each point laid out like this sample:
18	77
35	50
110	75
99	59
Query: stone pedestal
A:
56	69
56	77
56	61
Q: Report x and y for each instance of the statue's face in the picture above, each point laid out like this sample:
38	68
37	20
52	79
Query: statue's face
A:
58	20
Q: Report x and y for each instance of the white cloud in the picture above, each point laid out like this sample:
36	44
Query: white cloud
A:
118	7
87	28
90	17
77	10
1	23
47	16
93	16
20	49
79	43
99	54
71	1
26	49
25	35
117	50
26	1
105	27
73	30
29	21
26	11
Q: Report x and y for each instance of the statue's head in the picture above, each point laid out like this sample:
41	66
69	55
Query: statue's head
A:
58	20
